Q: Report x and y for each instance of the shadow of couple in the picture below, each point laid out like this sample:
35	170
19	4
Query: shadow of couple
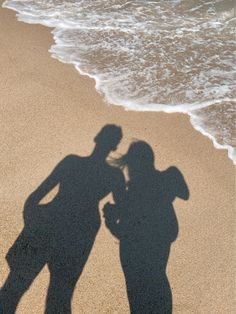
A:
61	233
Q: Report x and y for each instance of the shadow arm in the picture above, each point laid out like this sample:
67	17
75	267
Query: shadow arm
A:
112	212
45	187
179	184
111	215
119	189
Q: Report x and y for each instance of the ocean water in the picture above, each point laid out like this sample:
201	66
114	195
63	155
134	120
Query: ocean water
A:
151	55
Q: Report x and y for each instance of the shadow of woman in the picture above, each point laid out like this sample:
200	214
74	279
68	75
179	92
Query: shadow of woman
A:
61	233
146	226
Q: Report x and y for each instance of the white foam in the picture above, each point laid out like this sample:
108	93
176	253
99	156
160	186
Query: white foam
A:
197	126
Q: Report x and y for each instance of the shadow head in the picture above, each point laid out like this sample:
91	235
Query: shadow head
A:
139	159
108	138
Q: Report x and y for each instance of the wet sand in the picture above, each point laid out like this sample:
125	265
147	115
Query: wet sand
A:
49	111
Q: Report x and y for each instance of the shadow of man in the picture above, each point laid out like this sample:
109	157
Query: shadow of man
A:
61	233
146	226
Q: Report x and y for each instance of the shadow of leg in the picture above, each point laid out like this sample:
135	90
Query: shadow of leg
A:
25	260
17	283
150	296
64	275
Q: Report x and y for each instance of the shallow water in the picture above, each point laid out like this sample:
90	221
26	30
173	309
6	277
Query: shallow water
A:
174	56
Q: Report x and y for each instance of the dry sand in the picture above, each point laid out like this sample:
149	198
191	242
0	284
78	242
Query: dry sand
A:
48	111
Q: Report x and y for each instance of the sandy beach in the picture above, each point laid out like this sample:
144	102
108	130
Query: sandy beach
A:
49	111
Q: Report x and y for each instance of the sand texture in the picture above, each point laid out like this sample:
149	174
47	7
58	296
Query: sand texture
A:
49	111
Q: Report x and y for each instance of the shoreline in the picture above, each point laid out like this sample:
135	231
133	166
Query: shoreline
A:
49	111
127	105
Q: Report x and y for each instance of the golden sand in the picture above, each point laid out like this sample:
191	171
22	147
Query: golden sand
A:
49	111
